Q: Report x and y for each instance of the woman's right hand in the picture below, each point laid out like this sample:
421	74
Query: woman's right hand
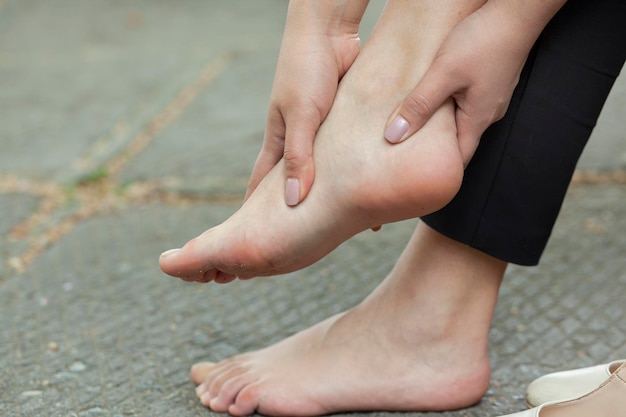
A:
319	45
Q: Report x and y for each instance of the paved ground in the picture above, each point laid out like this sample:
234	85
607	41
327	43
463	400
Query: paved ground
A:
128	127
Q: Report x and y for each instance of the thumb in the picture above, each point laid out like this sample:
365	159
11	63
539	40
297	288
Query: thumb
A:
415	110
469	132
298	158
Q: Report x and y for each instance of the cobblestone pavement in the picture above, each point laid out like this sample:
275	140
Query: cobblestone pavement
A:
127	128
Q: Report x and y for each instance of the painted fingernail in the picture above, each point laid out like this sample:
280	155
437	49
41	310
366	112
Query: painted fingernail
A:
396	129
169	252
292	191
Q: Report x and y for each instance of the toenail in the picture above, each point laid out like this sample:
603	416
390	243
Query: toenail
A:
213	402
200	390
206	399
169	252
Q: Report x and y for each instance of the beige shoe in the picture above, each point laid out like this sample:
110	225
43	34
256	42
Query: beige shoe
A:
609	400
560	386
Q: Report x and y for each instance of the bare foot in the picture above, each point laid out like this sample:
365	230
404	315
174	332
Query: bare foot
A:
418	343
361	182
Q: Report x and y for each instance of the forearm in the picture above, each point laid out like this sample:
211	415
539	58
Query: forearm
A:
332	16
525	19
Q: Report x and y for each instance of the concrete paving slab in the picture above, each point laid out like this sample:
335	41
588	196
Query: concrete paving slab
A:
91	327
606	149
225	124
74	312
219	135
14	208
80	78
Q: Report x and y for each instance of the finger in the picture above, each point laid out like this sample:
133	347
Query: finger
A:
298	156
420	104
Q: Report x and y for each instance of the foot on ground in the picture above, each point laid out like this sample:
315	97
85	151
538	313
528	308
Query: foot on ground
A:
396	351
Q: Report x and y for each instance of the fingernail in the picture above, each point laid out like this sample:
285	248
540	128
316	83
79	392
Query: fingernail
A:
396	129
292	191
169	252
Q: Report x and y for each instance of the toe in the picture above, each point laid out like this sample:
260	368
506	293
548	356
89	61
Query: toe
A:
189	263
201	390
217	379
199	371
247	401
205	400
228	392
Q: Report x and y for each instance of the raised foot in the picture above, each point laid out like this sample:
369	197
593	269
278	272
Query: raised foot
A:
362	182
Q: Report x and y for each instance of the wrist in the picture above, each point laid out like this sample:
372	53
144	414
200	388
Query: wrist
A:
527	18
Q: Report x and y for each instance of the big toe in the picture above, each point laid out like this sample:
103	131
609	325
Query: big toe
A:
169	261
187	264
199	371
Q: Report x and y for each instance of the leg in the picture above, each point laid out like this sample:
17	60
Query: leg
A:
418	342
435	357
266	237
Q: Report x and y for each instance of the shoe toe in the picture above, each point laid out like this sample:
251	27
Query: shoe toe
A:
561	386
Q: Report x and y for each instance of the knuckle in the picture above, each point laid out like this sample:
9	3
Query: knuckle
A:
418	105
297	153
293	159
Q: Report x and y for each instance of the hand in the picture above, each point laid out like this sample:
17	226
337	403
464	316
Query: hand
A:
479	66
318	48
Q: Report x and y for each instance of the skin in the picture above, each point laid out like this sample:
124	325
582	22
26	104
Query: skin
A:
320	43
479	66
266	237
440	295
